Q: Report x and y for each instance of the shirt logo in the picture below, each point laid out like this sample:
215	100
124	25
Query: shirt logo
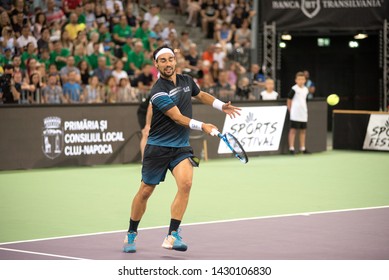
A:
186	89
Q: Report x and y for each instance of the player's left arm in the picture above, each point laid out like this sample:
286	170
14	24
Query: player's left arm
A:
227	108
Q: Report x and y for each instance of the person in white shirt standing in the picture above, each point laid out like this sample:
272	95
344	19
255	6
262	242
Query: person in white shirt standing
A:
152	16
298	110
269	93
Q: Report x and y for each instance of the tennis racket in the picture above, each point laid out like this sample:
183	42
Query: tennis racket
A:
233	144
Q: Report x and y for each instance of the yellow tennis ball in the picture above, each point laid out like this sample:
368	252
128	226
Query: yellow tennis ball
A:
332	99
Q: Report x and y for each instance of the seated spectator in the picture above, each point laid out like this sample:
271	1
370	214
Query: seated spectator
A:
53	70
131	17
85	72
70	6
238	17
125	93
54	14
9	94
16	62
52	93
34	88
256	76
6	58
17	26
101	15
102	72
90	17
208	84
94	57
151	44
111	90
224	37
114	16
244	91
59	54
121	31
69	68
192	59
30	52
45	58
224	89
185	42
143	31
135	60
269	93
5	21
208	53
219	55
118	71
79	54
209	14
110	5
235	70
44	40
194	7
92	92
152	16
215	70
243	36
73	27
8	40
94	38
169	28
72	89
145	80
81	40
39	24
26	38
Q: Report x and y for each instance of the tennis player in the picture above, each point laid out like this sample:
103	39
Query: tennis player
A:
168	144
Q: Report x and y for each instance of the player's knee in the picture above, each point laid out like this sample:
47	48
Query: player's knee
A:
185	186
145	192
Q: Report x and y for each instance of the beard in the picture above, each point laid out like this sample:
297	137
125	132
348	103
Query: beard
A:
168	72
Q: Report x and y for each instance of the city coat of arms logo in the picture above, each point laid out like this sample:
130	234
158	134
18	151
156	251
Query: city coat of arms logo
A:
310	8
52	137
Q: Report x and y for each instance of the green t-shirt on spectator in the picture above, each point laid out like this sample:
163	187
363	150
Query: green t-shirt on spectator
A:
122	32
126	49
54	54
82	19
141	34
78	58
25	56
137	59
46	62
4	60
93	60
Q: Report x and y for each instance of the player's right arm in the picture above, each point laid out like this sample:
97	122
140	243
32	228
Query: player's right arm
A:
175	114
289	100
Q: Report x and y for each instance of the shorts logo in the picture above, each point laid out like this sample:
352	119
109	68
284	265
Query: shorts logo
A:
52	137
310	8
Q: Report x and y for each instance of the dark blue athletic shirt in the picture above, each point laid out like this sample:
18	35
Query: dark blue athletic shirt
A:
164	96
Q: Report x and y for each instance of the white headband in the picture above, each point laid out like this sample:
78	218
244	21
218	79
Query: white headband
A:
163	51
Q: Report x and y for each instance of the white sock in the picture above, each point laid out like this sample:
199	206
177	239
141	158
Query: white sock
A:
302	149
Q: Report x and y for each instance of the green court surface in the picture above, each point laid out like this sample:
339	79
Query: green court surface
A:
67	201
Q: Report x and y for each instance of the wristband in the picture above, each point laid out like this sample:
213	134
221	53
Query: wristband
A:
196	125
218	104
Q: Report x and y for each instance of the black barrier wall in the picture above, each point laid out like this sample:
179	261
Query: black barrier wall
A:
76	135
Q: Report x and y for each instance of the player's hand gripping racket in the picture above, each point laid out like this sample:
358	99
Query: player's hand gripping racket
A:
233	144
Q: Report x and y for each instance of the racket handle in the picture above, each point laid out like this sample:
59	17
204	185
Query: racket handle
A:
215	132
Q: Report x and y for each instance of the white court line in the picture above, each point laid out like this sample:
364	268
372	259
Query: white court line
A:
41	254
204	223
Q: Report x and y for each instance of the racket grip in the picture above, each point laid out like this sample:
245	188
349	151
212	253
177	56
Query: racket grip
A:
215	132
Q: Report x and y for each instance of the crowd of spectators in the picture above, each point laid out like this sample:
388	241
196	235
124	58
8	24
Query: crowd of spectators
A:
84	51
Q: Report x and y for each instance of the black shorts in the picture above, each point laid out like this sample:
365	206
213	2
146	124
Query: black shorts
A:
157	160
298	125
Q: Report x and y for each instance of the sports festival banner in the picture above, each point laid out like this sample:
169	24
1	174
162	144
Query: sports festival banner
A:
258	129
377	133
291	15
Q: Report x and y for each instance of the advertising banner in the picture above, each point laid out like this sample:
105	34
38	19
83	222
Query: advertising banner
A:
258	129
377	133
297	15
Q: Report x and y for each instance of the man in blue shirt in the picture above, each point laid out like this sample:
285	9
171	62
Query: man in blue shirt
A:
168	144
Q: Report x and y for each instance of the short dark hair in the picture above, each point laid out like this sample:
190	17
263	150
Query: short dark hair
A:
8	67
